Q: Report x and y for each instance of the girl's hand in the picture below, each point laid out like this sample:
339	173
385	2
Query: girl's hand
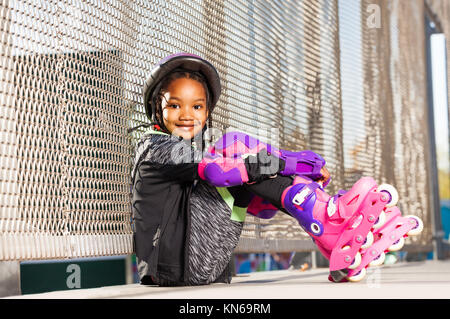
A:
325	175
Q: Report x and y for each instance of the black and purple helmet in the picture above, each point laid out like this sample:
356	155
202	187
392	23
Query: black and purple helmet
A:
183	61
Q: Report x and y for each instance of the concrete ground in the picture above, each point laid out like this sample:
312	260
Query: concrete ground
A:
412	280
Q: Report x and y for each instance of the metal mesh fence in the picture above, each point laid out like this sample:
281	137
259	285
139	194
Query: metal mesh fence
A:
298	74
392	136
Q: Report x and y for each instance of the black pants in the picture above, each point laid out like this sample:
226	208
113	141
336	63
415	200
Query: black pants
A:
269	189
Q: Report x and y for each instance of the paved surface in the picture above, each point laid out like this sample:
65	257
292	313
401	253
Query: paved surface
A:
413	280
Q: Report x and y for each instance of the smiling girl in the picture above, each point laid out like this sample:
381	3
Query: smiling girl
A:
189	205
187	226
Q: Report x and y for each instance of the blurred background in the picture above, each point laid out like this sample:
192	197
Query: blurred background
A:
362	82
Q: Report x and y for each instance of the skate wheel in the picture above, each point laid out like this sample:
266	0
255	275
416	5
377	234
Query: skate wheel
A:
357	277
380	221
392	193
397	245
356	261
390	259
368	242
419	227
378	261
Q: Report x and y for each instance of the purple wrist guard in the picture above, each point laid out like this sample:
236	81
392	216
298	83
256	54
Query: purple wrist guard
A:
305	163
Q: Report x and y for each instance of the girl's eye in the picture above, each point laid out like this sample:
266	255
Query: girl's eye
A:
197	107
174	106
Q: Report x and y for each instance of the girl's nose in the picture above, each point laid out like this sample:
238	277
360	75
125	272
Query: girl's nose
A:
186	114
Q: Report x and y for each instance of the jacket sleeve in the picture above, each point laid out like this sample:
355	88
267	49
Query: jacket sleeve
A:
174	159
183	172
168	156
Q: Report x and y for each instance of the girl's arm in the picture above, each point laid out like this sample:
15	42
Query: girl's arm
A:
173	159
167	158
184	172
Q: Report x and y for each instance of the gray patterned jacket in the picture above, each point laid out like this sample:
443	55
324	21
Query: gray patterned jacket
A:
185	228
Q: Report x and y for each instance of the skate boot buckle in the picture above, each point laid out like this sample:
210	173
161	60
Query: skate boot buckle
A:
300	197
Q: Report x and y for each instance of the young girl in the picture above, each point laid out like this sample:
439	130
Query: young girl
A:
189	205
185	228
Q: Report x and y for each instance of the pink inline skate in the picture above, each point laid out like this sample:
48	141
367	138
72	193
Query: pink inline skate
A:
389	236
339	225
386	235
332	224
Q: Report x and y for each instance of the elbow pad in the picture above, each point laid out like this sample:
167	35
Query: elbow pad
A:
222	171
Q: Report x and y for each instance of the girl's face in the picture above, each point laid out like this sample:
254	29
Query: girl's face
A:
184	107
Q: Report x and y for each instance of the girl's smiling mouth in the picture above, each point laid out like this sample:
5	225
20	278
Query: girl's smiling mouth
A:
185	126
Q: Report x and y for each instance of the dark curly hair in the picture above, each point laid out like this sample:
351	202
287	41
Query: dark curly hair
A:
163	86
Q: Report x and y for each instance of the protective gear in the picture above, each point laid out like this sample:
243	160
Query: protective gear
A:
261	208
182	61
223	171
229	161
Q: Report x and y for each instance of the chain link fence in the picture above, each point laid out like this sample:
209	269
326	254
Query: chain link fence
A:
346	79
